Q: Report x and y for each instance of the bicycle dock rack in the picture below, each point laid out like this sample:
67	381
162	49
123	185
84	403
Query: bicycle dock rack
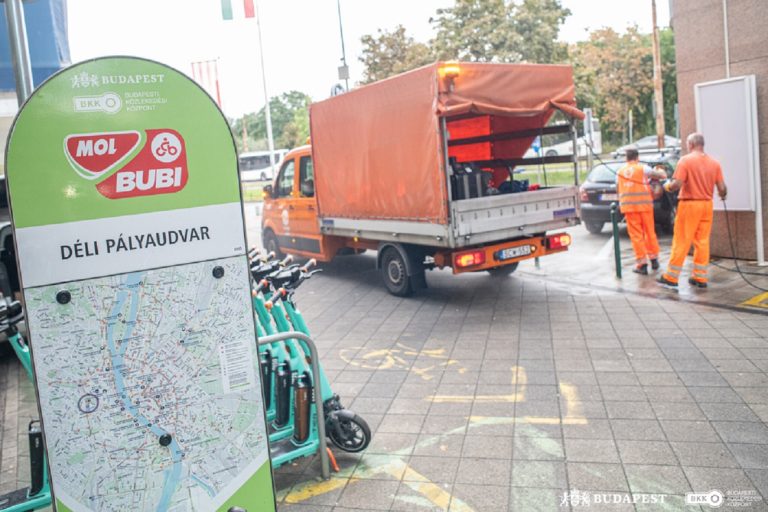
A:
320	414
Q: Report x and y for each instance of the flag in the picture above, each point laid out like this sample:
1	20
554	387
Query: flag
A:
228	13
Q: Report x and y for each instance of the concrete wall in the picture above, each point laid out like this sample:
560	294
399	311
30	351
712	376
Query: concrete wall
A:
700	51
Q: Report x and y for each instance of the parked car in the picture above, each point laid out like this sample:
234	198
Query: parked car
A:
599	191
649	144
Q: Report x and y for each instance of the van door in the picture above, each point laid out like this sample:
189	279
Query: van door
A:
305	228
278	208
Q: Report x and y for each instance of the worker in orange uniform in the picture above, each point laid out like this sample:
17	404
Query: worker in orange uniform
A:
636	203
696	177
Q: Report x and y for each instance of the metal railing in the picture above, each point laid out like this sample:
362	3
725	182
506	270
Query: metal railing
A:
322	444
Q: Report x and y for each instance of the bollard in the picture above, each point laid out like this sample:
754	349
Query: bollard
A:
616	247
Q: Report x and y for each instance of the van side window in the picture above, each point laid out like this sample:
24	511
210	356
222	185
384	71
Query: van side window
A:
285	181
306	177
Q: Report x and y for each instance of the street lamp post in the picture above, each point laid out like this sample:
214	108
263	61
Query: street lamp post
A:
344	69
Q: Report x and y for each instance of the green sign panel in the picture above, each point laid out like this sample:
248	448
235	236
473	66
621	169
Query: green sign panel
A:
122	177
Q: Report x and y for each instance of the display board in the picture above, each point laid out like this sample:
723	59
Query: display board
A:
125	199
726	113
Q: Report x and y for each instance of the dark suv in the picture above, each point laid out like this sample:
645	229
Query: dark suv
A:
599	191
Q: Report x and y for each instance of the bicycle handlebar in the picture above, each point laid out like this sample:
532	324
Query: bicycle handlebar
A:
311	263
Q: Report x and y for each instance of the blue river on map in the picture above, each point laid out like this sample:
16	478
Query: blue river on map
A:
130	289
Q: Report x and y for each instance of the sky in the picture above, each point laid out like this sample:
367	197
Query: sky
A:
301	41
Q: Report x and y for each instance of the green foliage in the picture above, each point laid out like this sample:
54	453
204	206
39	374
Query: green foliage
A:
290	123
501	31
614	73
390	53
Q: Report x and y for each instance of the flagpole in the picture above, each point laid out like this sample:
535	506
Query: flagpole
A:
266	95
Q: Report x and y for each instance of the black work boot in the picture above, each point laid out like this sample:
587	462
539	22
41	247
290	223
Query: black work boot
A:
698	284
655	264
641	269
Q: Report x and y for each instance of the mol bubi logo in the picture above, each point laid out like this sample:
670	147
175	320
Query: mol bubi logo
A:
159	167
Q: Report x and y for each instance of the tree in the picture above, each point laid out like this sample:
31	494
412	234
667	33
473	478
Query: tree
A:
289	128
501	31
390	53
614	73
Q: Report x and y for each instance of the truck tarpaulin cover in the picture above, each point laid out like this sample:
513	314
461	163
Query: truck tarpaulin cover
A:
377	149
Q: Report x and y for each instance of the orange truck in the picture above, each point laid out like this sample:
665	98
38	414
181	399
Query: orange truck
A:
421	168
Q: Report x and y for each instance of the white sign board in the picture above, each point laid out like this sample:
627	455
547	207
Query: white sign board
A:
726	114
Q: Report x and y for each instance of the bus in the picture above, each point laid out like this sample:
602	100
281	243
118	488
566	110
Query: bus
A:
254	165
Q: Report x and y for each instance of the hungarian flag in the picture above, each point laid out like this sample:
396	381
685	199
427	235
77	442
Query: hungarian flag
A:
227	12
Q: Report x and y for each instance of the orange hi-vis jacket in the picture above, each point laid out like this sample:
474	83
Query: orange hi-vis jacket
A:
634	190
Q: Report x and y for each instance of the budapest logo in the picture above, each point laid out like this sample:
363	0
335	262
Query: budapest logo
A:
160	166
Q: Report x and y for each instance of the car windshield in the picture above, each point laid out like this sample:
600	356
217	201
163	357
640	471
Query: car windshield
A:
604	173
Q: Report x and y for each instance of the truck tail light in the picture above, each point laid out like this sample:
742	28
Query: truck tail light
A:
584	196
470	259
559	241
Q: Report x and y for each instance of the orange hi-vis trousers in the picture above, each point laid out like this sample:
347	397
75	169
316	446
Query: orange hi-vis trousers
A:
643	235
692	225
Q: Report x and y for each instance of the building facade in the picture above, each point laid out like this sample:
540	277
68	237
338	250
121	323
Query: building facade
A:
701	47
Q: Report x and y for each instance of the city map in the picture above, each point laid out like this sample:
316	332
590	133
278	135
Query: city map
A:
149	387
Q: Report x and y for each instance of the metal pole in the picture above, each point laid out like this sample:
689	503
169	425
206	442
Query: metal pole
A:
616	246
574	136
322	448
631	134
588	135
17	34
725	37
658	93
343	51
270	142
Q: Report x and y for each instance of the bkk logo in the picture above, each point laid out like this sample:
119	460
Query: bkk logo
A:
160	167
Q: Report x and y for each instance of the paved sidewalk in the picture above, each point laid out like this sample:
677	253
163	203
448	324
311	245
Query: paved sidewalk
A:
512	394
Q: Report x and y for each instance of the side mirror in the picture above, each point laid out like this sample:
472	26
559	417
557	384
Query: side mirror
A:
266	192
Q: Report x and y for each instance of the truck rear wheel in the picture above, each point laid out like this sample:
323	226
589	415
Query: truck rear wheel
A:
395	273
503	271
271	244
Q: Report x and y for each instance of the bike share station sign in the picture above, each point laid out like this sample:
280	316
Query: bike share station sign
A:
124	190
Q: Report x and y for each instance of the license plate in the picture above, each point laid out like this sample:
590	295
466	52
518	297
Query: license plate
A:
513	252
609	197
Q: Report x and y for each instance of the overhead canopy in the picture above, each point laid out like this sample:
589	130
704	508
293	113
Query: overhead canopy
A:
377	149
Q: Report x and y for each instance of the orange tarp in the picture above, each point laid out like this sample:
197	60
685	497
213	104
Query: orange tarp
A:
377	149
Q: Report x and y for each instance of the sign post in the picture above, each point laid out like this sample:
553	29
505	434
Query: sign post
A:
125	198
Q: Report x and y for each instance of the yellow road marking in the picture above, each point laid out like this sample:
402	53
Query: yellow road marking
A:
519	379
758	301
400	470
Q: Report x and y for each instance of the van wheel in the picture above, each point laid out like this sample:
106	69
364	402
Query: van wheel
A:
395	274
550	152
271	244
503	271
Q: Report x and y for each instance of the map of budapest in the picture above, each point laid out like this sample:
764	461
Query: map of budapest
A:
150	390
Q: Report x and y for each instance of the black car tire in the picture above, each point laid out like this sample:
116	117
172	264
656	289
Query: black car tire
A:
550	152
271	244
394	273
503	271
594	227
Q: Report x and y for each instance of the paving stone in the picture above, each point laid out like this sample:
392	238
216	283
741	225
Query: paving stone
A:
728	412
704	454
690	431
591	450
369	494
742	432
435	469
596	476
640	430
656	479
750	456
535	500
484	472
593	429
538	474
480	498
645	452
717	478
629	410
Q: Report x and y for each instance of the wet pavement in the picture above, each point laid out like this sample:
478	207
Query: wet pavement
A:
552	389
